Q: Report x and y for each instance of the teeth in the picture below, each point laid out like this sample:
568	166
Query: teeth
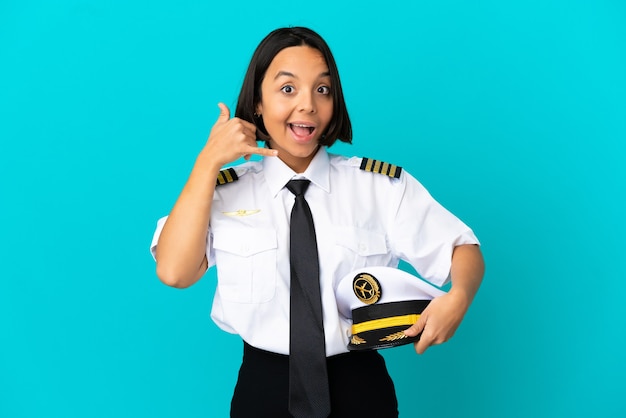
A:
303	126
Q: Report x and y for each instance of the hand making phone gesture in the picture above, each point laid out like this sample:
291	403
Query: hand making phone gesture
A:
181	257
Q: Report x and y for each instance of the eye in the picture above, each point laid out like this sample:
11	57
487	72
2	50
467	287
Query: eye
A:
323	89
287	89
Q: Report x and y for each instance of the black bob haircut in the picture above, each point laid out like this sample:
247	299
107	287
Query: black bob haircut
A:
250	95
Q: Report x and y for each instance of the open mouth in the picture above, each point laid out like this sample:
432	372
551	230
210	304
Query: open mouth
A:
301	130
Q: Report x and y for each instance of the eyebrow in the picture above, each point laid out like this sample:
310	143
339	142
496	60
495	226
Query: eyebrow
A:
292	75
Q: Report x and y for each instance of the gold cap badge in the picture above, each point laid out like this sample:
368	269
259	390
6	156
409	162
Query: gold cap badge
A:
366	288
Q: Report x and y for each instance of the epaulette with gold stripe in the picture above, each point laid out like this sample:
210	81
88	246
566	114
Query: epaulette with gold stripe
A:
380	167
227	175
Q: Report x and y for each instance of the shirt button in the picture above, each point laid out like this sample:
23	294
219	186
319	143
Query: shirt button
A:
362	247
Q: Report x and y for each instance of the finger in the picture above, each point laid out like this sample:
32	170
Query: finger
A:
420	347
261	151
248	125
266	152
238	127
416	328
424	342
250	133
224	113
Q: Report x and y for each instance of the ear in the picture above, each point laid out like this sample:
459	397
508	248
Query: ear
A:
258	110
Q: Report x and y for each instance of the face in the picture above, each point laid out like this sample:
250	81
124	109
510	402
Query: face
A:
296	104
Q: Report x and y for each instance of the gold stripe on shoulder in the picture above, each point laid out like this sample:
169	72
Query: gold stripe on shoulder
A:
380	167
227	175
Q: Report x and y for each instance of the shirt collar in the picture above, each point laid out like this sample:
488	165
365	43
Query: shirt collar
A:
277	173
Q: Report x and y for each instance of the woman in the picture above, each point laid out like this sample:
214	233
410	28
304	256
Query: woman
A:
239	220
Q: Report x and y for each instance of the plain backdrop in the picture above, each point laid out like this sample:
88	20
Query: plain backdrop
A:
511	113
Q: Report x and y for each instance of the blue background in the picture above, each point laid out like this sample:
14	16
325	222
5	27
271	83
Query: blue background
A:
513	114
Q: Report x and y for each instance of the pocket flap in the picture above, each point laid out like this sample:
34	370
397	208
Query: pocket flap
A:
361	241
244	242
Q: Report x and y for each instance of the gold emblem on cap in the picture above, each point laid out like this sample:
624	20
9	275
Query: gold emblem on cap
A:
356	340
395	336
366	288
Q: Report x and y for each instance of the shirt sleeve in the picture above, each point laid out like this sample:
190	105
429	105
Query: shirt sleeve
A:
424	233
210	252
156	235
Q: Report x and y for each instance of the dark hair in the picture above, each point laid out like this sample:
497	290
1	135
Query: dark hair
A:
250	95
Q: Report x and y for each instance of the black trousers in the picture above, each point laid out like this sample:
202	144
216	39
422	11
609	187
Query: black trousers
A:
360	386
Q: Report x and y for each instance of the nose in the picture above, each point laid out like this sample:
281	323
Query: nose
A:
307	103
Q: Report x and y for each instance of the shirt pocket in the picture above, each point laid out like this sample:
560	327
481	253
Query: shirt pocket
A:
246	264
360	247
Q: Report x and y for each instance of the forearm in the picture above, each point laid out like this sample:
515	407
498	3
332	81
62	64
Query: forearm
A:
181	249
466	273
444	314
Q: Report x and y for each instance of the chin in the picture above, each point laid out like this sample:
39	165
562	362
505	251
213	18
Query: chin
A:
296	149
307	152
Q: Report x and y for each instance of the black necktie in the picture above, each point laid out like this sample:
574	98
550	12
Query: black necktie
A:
309	395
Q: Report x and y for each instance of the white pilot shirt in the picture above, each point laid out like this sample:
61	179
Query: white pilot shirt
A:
361	219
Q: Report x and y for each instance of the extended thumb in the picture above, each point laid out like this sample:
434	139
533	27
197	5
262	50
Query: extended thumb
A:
224	113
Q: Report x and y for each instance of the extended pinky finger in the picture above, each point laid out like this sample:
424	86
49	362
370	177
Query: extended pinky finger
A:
264	151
